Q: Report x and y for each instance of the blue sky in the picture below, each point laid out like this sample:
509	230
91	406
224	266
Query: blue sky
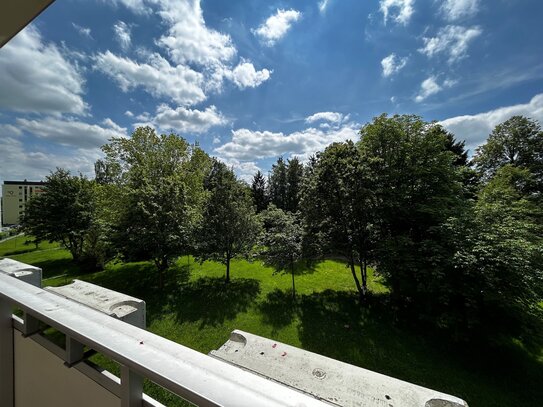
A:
253	80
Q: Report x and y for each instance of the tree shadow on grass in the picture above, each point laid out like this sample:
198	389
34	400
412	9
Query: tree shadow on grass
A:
56	267
278	309
21	250
140	280
335	325
212	301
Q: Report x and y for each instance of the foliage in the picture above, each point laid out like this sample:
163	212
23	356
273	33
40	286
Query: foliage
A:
517	141
285	184
339	207
158	196
281	241
416	188
63	213
259	192
295	172
498	261
278	184
229	226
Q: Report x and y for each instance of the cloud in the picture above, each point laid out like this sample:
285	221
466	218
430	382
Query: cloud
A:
122	34
454	10
430	86
245	170
156	76
276	26
246	76
71	133
404	10
8	130
452	41
253	145
476	128
199	58
332	117
182	120
83	31
323	4
21	161
392	65
38	77
188	40
136	6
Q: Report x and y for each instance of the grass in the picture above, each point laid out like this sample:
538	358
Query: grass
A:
197	309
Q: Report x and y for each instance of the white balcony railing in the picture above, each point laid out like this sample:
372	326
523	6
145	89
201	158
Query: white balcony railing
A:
193	376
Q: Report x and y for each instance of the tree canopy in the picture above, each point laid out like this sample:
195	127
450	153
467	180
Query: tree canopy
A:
281	241
229	226
161	191
518	142
63	213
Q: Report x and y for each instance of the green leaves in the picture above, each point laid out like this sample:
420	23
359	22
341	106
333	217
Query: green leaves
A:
229	226
518	142
63	213
159	196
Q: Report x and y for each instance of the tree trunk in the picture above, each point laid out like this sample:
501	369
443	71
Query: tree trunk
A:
161	265
353	272
364	276
227	268
293	286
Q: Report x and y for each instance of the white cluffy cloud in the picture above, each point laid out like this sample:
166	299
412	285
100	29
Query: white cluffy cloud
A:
430	86
454	10
392	65
122	34
72	133
188	39
404	10
254	145
83	31
21	161
199	59
476	128
183	120
38	77
452	41
246	76
332	117
156	76
136	6
276	26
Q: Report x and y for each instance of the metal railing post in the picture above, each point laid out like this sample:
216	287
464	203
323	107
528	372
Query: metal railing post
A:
31	325
131	388
7	397
74	351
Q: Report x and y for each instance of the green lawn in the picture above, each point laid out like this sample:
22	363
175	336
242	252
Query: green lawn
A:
198	310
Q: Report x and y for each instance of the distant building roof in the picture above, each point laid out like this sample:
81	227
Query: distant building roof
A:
25	182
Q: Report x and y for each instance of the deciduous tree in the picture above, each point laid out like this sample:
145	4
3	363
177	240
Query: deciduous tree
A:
517	141
160	195
63	213
281	241
229	226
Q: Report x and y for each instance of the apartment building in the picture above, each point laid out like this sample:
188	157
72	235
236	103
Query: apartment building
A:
15	195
